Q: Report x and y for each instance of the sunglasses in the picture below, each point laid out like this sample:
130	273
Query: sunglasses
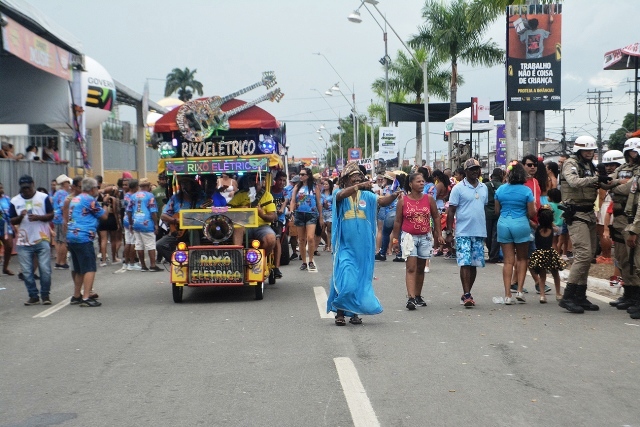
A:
531	165
302	174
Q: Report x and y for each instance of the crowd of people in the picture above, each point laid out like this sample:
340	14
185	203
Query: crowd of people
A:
47	153
531	216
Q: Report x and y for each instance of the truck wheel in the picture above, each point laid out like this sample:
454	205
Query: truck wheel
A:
177	293
259	290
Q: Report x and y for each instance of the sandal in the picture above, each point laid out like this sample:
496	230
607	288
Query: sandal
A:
8	272
340	321
543	300
355	320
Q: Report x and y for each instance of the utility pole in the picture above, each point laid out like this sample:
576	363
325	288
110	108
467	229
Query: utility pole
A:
599	100
564	130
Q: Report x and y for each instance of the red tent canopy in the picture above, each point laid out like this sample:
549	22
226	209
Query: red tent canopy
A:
251	118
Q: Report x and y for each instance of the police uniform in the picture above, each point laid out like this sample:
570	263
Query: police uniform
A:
624	206
579	189
634	229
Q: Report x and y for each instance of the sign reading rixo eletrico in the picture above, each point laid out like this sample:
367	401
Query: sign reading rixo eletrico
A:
533	57
213	166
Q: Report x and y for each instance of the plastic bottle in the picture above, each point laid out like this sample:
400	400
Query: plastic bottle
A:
498	300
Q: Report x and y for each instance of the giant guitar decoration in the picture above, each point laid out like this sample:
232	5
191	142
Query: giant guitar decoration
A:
198	119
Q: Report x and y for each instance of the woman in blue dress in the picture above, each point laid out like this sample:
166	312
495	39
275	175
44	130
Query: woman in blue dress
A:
354	238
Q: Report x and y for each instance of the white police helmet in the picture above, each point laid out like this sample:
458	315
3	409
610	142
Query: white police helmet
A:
584	142
631	144
613	156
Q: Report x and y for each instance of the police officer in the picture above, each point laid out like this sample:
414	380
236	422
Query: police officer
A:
633	229
624	207
579	189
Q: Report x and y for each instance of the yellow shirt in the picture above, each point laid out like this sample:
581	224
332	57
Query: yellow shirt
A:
241	200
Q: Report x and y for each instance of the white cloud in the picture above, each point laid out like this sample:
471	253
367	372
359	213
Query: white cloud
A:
572	78
604	79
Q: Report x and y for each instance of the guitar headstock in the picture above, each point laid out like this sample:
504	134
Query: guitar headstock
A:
269	79
276	95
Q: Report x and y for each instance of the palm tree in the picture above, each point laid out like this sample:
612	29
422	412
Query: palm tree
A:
450	34
180	81
406	78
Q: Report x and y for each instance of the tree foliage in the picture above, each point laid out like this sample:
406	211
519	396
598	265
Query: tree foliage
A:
618	138
450	34
183	82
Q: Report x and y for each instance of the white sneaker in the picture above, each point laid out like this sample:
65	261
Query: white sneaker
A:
134	267
509	300
520	297
122	270
103	264
426	269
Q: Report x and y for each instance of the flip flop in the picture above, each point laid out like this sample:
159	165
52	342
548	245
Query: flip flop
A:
340	321
8	272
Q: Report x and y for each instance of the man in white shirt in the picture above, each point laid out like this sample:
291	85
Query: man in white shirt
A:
32	211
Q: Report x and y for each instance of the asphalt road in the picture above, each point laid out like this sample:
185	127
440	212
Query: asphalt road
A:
223	359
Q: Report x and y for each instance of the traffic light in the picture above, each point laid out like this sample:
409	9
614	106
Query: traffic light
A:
446	136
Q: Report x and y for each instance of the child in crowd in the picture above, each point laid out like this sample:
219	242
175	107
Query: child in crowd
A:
559	234
545	258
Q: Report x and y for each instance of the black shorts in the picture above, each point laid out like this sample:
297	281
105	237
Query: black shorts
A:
109	224
318	229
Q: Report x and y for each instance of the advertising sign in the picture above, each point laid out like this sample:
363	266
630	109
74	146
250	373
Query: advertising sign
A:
501	145
35	50
222	165
388	142
534	54
367	163
479	110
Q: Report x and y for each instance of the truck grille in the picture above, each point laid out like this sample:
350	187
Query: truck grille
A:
216	266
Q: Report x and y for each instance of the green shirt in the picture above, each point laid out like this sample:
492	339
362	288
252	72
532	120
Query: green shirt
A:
160	193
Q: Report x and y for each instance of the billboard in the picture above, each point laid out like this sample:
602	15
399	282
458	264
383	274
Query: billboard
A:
388	142
533	57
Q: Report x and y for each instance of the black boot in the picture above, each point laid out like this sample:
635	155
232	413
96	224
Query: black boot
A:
620	299
635	315
582	301
630	295
568	300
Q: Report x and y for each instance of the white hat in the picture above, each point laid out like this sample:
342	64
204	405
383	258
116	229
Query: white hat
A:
61	179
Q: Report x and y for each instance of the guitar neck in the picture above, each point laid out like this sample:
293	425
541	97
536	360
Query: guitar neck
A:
238	93
256	101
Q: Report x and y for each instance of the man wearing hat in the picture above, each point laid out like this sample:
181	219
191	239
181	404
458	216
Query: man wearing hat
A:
63	185
466	203
31	211
142	212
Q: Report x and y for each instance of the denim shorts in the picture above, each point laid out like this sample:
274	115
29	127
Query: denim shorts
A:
422	245
326	215
513	230
382	213
470	251
302	219
83	256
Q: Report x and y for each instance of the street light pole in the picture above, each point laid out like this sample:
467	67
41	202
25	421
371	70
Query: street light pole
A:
355	17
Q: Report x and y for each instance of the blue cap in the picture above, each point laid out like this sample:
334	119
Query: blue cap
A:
25	179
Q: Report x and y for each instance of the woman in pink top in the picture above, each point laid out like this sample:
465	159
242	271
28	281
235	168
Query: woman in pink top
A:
415	215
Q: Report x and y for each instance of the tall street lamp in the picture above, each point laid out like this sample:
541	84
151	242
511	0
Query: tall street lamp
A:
355	17
354	113
339	124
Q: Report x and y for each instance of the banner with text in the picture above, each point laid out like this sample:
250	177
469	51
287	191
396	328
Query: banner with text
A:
35	50
388	142
534	54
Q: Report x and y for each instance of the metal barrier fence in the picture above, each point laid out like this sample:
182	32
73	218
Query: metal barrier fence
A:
42	174
122	156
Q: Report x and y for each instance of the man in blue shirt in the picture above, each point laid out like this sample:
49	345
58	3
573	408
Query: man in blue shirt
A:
84	214
466	204
64	185
142	212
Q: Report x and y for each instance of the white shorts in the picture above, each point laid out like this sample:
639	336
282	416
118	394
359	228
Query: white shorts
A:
601	214
145	241
129	237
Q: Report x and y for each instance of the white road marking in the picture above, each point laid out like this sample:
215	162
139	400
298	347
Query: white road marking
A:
362	412
321	300
59	306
